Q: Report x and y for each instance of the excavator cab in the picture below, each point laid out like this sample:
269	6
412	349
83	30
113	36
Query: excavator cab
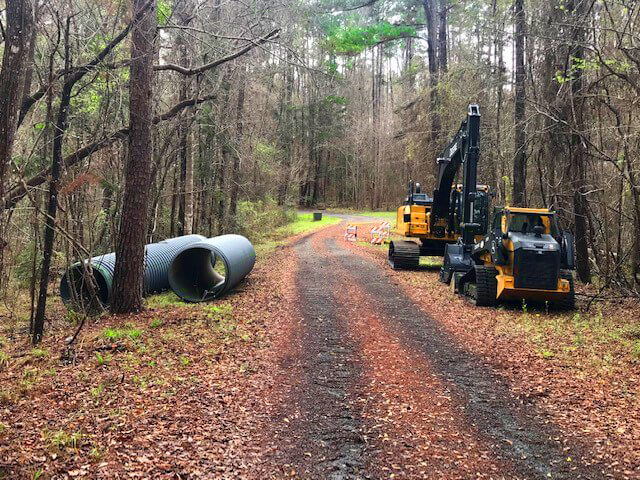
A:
417	197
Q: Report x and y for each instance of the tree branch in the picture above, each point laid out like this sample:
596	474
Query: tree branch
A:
19	191
193	71
78	72
356	7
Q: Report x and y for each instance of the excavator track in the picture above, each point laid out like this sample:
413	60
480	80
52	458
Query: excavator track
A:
404	255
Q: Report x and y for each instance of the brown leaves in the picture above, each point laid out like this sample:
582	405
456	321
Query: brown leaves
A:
577	367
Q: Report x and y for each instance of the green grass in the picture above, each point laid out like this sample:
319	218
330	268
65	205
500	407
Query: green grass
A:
4	359
156	323
39	353
102	360
303	224
127	332
433	262
62	440
164	300
365	213
580	340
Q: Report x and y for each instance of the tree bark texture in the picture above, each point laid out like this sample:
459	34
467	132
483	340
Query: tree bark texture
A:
19	14
519	154
130	250
17	37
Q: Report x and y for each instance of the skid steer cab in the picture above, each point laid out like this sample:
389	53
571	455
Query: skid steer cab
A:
523	256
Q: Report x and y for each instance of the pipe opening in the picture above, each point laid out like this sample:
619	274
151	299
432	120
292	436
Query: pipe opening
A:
75	289
198	274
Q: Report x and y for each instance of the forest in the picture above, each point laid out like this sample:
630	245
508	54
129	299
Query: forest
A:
127	122
284	139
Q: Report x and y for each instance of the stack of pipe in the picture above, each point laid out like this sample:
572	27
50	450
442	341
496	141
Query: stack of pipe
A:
196	268
74	288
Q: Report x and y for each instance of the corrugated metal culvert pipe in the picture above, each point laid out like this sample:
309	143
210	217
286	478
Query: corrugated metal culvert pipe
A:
74	288
207	269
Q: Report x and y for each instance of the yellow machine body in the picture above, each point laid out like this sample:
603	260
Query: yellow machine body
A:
414	221
506	280
506	283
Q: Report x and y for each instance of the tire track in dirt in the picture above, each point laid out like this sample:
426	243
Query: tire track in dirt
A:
516	433
410	417
325	430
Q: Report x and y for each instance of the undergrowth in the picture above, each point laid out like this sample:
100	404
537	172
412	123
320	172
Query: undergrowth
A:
576	339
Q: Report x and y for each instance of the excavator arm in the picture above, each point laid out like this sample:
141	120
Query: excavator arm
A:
462	150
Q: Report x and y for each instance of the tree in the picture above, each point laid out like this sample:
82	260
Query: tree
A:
130	251
520	154
54	186
17	37
235	168
432	54
579	9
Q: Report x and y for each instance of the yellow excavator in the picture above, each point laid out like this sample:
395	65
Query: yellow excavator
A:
427	224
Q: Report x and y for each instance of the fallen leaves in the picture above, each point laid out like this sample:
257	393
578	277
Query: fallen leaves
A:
182	396
578	368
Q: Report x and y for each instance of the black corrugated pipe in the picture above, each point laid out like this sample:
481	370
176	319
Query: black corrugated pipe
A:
158	258
207	269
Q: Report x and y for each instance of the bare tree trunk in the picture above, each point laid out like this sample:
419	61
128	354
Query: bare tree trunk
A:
442	37
16	50
235	172
223	137
519	156
432	39
17	36
130	251
286	137
497	161
52	207
184	15
188	186
182	164
579	9
174	201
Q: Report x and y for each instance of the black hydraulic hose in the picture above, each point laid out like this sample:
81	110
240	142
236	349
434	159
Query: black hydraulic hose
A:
158	257
210	268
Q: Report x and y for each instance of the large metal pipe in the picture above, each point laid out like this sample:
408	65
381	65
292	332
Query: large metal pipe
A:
207	269
158	257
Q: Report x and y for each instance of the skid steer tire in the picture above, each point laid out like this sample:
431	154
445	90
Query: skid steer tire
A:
569	300
486	286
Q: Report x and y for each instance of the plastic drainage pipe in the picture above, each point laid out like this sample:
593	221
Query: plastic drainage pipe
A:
158	258
210	268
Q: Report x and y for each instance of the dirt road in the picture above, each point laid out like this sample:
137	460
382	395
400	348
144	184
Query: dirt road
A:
324	364
378	389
